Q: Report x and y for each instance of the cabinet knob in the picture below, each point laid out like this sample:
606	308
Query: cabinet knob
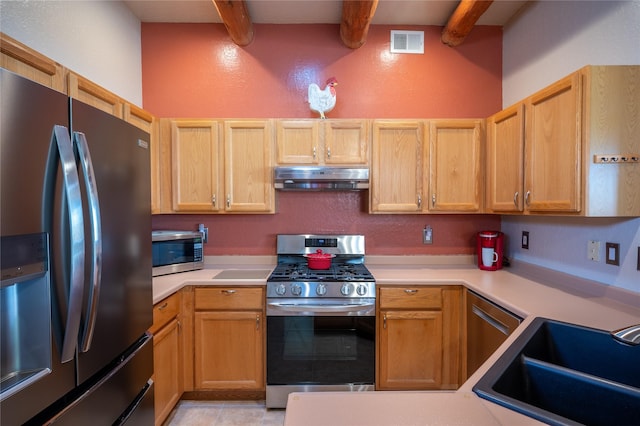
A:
228	200
419	201
213	199
329	152
433	200
314	153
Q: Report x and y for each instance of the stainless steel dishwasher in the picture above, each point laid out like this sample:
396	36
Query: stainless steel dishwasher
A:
488	326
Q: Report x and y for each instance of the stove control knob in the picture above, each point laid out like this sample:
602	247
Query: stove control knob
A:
321	290
296	290
361	290
346	289
281	289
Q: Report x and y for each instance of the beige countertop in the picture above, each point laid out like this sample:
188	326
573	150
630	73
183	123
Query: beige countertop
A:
526	291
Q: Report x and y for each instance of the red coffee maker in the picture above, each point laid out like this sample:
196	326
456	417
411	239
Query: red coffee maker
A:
490	250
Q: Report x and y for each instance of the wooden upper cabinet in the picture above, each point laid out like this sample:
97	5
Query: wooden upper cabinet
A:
553	148
346	141
505	160
24	61
397	163
90	93
297	142
312	142
196	164
455	172
249	166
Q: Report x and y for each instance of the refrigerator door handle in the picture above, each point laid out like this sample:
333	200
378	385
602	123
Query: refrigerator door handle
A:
80	142
61	142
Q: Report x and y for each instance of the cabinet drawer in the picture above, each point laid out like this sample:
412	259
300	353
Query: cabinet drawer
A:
414	297
229	298
165	310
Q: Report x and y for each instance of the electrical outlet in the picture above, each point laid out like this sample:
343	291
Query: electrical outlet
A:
525	240
593	251
427	235
613	253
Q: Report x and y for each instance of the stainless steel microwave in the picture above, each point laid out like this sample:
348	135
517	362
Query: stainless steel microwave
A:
176	251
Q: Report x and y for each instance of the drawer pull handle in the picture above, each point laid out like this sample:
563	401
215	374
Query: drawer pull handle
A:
384	321
229	292
257	322
411	291
163	306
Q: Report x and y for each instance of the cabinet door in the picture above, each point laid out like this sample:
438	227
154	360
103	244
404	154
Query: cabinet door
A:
505	160
24	61
229	350
396	167
249	167
91	94
455	174
346	142
410	350
553	148
298	142
195	153
167	370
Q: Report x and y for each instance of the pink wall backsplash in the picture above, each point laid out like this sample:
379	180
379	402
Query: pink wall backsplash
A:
196	71
333	213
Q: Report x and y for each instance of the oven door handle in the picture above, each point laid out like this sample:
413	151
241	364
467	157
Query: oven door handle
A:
311	308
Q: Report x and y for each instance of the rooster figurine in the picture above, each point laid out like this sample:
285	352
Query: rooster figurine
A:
323	100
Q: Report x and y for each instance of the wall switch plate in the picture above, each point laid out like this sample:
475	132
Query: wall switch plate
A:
525	240
593	251
613	253
204	231
427	235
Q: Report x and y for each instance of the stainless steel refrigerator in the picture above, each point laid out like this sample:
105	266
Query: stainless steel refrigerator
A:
75	258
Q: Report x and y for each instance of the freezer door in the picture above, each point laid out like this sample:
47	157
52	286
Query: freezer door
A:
117	309
123	396
29	113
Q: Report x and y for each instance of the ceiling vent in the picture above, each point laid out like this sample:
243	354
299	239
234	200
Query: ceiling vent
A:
407	41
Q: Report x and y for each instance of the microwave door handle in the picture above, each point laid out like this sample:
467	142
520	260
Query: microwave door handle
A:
80	142
62	149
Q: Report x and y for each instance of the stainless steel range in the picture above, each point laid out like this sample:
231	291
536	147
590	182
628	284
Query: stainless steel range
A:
320	323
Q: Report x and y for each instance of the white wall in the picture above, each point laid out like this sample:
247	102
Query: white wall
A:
100	40
549	40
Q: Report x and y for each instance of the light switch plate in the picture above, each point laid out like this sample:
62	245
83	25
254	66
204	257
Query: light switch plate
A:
613	253
525	240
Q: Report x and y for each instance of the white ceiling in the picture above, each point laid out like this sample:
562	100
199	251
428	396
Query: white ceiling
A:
388	12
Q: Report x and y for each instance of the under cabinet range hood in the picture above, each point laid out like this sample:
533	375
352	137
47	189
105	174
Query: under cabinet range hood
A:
321	178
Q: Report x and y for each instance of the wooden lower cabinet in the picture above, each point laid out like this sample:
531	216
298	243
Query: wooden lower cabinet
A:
229	342
419	345
167	356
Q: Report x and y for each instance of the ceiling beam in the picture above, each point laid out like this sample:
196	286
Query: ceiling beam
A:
462	20
356	17
235	17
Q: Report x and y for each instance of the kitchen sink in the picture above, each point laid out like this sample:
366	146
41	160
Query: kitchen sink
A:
566	374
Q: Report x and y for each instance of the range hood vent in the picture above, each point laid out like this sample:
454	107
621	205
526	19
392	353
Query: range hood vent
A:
321	178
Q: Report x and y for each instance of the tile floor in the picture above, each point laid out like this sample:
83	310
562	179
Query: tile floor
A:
224	413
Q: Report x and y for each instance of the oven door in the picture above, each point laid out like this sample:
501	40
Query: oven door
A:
319	345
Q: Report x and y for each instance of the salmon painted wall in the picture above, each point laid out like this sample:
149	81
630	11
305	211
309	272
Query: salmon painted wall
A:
196	71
